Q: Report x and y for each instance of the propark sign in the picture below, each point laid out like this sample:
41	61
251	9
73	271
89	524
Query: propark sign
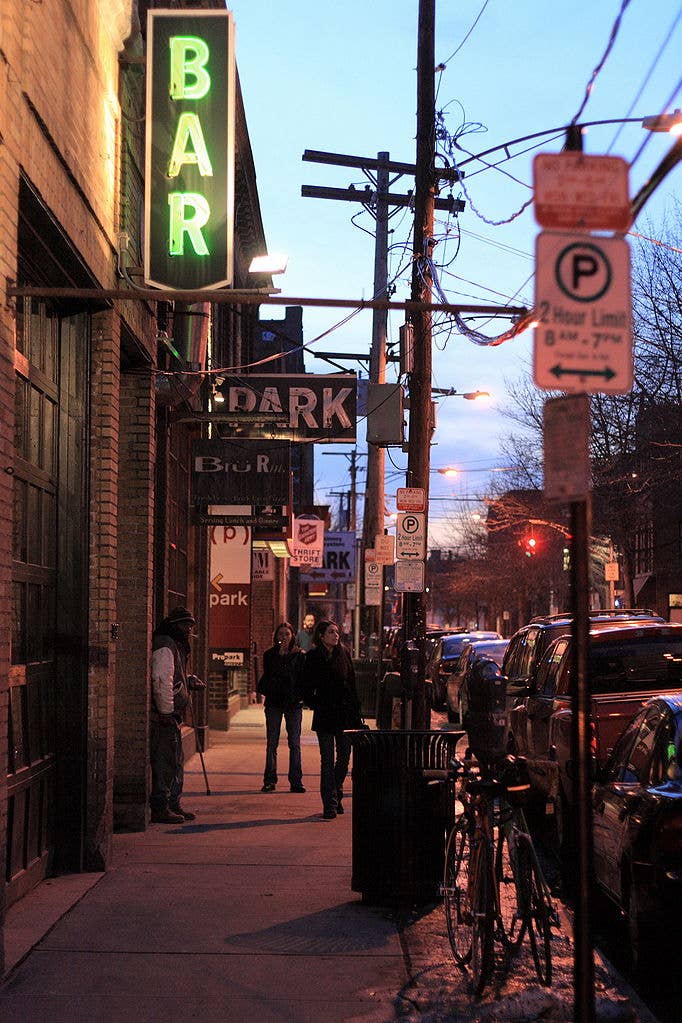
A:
189	165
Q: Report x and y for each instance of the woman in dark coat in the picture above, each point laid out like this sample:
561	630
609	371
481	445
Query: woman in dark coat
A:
329	688
281	685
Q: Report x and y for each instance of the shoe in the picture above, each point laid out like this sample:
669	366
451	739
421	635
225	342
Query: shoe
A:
185	814
339	809
167	817
268	787
329	815
298	788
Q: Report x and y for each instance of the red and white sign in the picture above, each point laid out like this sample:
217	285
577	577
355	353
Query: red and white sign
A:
307	543
384	549
410	499
230	589
581	192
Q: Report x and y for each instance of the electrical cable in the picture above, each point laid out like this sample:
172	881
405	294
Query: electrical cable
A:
647	77
609	46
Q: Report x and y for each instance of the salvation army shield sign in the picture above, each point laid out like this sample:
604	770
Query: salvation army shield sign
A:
307	543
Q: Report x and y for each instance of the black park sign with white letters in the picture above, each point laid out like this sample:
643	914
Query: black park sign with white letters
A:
312	406
189	167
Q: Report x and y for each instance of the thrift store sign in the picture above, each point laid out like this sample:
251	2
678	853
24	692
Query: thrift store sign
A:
306	546
189	170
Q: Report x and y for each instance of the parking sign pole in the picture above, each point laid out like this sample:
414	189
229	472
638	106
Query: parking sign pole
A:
583	967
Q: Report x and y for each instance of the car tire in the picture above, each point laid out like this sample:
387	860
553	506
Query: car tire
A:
642	943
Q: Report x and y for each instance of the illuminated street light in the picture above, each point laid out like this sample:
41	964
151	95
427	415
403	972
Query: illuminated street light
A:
275	263
670	123
450	392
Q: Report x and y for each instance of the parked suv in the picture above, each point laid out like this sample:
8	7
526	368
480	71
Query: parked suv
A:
628	663
530	642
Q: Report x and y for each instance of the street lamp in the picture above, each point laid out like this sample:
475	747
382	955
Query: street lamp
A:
450	392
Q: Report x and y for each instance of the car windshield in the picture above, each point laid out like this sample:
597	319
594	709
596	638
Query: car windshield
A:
636	665
452	645
494	649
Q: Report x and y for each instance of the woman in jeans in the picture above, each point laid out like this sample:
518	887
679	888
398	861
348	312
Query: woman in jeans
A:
329	688
280	683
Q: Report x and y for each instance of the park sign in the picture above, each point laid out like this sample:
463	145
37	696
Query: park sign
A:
189	167
306	406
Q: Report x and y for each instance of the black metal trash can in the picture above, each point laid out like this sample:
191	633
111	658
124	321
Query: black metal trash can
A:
389	687
400	818
366	684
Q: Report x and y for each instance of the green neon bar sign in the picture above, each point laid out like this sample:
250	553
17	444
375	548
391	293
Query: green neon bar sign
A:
189	169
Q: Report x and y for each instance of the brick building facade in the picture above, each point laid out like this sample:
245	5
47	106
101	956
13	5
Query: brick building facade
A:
97	536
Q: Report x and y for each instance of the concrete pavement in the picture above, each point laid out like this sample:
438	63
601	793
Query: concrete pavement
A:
246	914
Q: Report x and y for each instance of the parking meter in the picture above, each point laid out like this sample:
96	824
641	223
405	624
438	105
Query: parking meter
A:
409	667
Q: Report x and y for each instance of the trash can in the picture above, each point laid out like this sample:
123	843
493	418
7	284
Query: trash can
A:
400	818
389	689
366	684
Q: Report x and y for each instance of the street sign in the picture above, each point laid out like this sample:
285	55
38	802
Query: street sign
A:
566	436
410	499
374	583
576	191
583	341
410	536
384	549
409	577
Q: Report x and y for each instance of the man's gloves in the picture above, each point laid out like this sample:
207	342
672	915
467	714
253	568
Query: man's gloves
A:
194	682
167	719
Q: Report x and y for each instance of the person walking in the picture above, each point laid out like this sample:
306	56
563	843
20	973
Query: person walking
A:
329	689
170	696
304	636
281	686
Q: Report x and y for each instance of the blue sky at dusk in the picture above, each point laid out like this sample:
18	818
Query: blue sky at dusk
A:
341	78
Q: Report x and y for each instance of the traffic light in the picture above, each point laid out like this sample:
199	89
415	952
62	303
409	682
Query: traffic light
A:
530	546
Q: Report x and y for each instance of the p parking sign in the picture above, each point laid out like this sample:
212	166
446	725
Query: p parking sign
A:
189	167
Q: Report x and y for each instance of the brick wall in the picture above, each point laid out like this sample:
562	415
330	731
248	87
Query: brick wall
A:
134	596
103	569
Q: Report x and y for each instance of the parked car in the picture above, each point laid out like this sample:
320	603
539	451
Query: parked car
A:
637	813
628	663
473	650
529	643
443	659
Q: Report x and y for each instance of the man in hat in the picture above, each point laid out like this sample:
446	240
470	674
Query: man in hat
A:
170	696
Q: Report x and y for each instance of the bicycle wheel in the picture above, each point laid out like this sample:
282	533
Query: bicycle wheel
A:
483	911
505	878
534	911
457	904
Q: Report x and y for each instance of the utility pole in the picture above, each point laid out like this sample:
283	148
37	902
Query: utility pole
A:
420	429
379	200
373	520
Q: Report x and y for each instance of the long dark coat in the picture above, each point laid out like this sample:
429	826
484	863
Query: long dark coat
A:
329	688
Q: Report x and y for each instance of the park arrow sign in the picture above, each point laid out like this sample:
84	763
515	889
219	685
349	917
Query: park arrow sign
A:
583	338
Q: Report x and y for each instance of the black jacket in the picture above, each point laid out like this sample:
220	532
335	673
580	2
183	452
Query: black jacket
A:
329	688
280	682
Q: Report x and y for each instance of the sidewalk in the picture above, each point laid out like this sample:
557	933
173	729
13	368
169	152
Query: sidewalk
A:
246	914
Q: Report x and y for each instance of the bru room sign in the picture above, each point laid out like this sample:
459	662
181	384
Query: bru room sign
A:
189	173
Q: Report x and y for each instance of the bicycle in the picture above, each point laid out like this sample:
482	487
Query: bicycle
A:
485	851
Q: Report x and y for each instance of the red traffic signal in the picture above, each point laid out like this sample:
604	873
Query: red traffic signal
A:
530	546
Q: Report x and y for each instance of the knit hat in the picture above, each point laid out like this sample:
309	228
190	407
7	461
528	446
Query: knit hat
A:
180	614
